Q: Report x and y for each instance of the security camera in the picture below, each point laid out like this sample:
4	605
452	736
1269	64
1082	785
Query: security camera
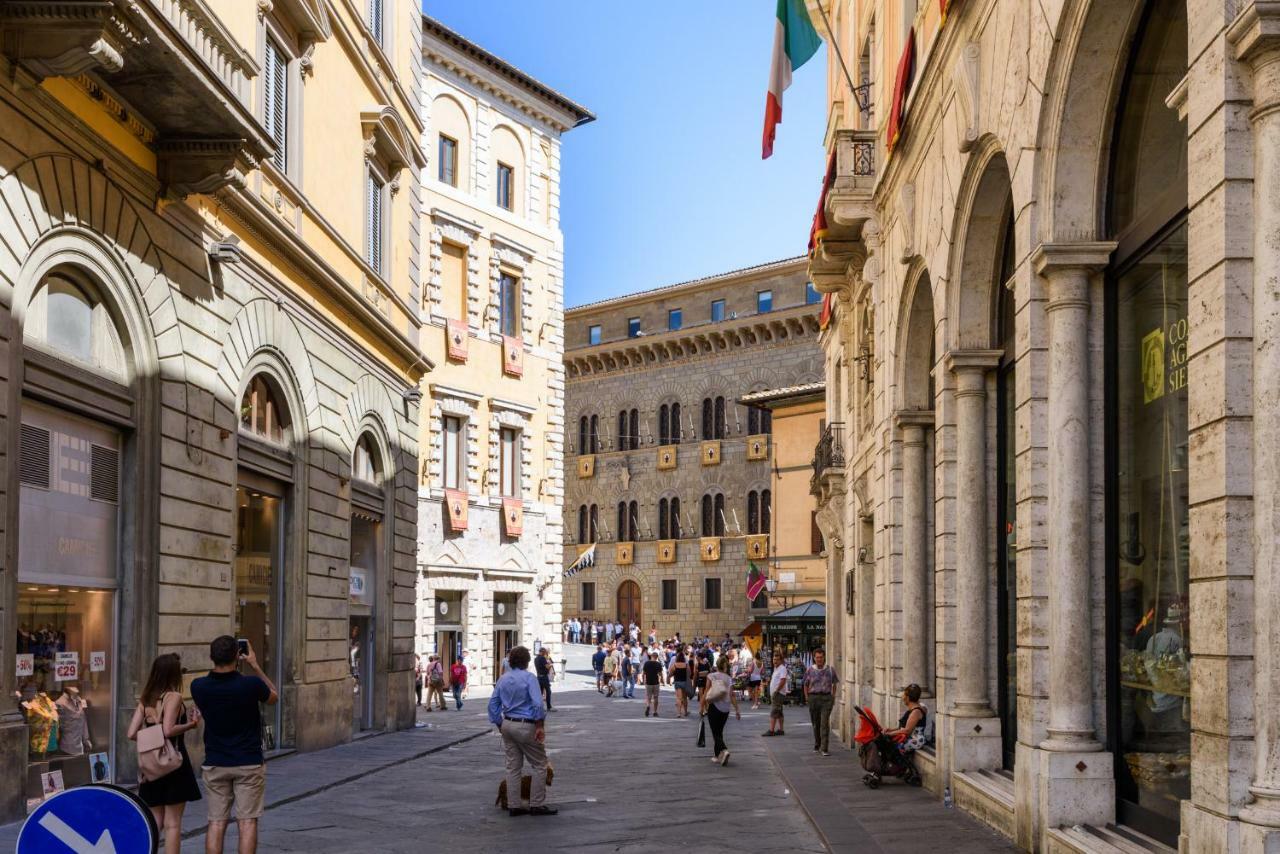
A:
227	250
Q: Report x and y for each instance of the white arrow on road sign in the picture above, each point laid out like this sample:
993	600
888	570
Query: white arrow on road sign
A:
73	840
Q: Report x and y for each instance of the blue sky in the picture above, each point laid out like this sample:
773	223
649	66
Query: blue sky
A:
667	184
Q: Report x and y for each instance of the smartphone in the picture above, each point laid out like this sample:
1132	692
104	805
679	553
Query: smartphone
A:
242	647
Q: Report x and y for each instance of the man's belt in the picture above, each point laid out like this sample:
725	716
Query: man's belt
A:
519	720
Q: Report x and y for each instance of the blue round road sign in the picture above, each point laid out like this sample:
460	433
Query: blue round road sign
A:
100	819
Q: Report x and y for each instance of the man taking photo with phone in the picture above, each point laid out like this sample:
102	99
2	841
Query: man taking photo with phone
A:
234	769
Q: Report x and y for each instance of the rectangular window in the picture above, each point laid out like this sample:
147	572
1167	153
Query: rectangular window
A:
588	596
633	327
510	463
374	221
717	310
509	304
506	182
811	294
711	594
675	319
447	154
764	301
453	280
375	19
455	454
275	101
668	594
593	334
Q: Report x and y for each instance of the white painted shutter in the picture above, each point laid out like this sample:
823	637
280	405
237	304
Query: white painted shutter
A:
275	103
373	222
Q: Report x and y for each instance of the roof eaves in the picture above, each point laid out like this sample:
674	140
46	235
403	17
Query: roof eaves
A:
757	268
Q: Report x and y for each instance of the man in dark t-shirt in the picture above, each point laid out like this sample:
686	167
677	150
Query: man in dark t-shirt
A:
652	673
545	670
597	661
234	769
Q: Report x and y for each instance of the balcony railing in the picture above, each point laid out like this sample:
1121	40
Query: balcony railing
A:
829	454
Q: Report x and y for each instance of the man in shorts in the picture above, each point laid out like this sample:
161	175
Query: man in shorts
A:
652	673
611	662
597	663
779	686
234	768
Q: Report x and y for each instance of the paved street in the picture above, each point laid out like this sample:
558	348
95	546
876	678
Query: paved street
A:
623	783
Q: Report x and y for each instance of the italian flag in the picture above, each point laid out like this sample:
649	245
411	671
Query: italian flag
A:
794	42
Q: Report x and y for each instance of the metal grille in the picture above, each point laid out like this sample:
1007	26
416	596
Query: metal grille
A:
33	456
104	474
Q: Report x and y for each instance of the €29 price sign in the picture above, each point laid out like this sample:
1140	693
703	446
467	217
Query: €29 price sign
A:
101	819
66	667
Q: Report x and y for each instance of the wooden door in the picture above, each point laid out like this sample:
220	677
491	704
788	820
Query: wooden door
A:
629	604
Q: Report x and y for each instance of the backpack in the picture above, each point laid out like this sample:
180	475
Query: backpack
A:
157	755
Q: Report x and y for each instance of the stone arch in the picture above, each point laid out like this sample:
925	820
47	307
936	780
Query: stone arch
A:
263	335
916	344
982	213
57	204
512	559
1074	139
447	553
370	400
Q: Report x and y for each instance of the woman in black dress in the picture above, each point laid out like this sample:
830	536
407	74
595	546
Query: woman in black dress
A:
161	702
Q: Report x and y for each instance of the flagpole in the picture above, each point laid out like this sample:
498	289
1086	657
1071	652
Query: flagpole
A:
835	43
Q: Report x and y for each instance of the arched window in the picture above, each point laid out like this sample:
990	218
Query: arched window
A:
753	512
766	511
583	531
628	522
262	413
664	530
759	421
676	429
634	431
621	529
664	412
582	435
593	527
720	418
713	515
675	518
594	438
366	461
623	435
67	315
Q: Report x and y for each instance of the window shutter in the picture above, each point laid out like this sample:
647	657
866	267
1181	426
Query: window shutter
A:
375	19
33	457
373	222
275	108
104	474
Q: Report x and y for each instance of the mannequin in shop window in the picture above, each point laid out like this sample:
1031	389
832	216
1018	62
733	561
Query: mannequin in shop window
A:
41	714
73	726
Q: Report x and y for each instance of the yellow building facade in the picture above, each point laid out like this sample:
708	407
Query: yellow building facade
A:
210	276
492	310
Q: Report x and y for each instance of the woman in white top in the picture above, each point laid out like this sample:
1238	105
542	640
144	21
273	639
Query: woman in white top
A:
716	700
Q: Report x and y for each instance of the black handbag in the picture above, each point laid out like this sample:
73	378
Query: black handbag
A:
702	732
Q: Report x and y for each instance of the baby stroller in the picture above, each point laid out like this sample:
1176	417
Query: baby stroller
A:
879	754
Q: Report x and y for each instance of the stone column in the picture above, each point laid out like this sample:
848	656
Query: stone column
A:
1076	783
975	729
1255	35
915	548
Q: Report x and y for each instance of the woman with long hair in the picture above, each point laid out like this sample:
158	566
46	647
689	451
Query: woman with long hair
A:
679	673
717	698
161	703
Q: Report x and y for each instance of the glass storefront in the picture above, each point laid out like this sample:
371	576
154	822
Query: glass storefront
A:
1148	548
1007	510
506	627
366	537
1154	737
259	557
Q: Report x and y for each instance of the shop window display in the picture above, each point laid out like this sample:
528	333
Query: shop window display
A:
65	645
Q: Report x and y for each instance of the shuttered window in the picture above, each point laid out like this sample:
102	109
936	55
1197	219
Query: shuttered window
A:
375	19
510	462
669	598
509	305
275	101
33	457
454	454
104	474
373	221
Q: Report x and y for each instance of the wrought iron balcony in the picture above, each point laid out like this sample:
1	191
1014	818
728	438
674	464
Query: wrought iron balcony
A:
167	69
828	459
848	206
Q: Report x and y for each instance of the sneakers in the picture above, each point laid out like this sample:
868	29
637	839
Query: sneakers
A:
724	759
825	753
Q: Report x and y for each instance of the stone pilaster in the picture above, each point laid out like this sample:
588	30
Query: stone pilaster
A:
1255	35
1076	779
974	729
915	548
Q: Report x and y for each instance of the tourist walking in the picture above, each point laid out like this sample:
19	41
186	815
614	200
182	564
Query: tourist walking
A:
435	682
651	672
161	703
546	672
417	678
819	694
458	681
678	671
752	667
628	674
597	663
716	702
779	687
610	672
517	711
234	768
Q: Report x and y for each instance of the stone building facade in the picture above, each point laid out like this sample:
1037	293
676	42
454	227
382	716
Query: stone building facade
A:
210	358
666	471
492	306
1049	246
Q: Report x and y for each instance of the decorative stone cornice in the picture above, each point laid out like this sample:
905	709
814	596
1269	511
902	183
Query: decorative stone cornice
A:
1087	256
64	39
913	418
187	166
388	139
972	360
1256	30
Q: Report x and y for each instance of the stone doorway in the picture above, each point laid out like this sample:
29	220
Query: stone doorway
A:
629	604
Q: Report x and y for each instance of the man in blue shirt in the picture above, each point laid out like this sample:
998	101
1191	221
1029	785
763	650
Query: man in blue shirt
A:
516	709
597	662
